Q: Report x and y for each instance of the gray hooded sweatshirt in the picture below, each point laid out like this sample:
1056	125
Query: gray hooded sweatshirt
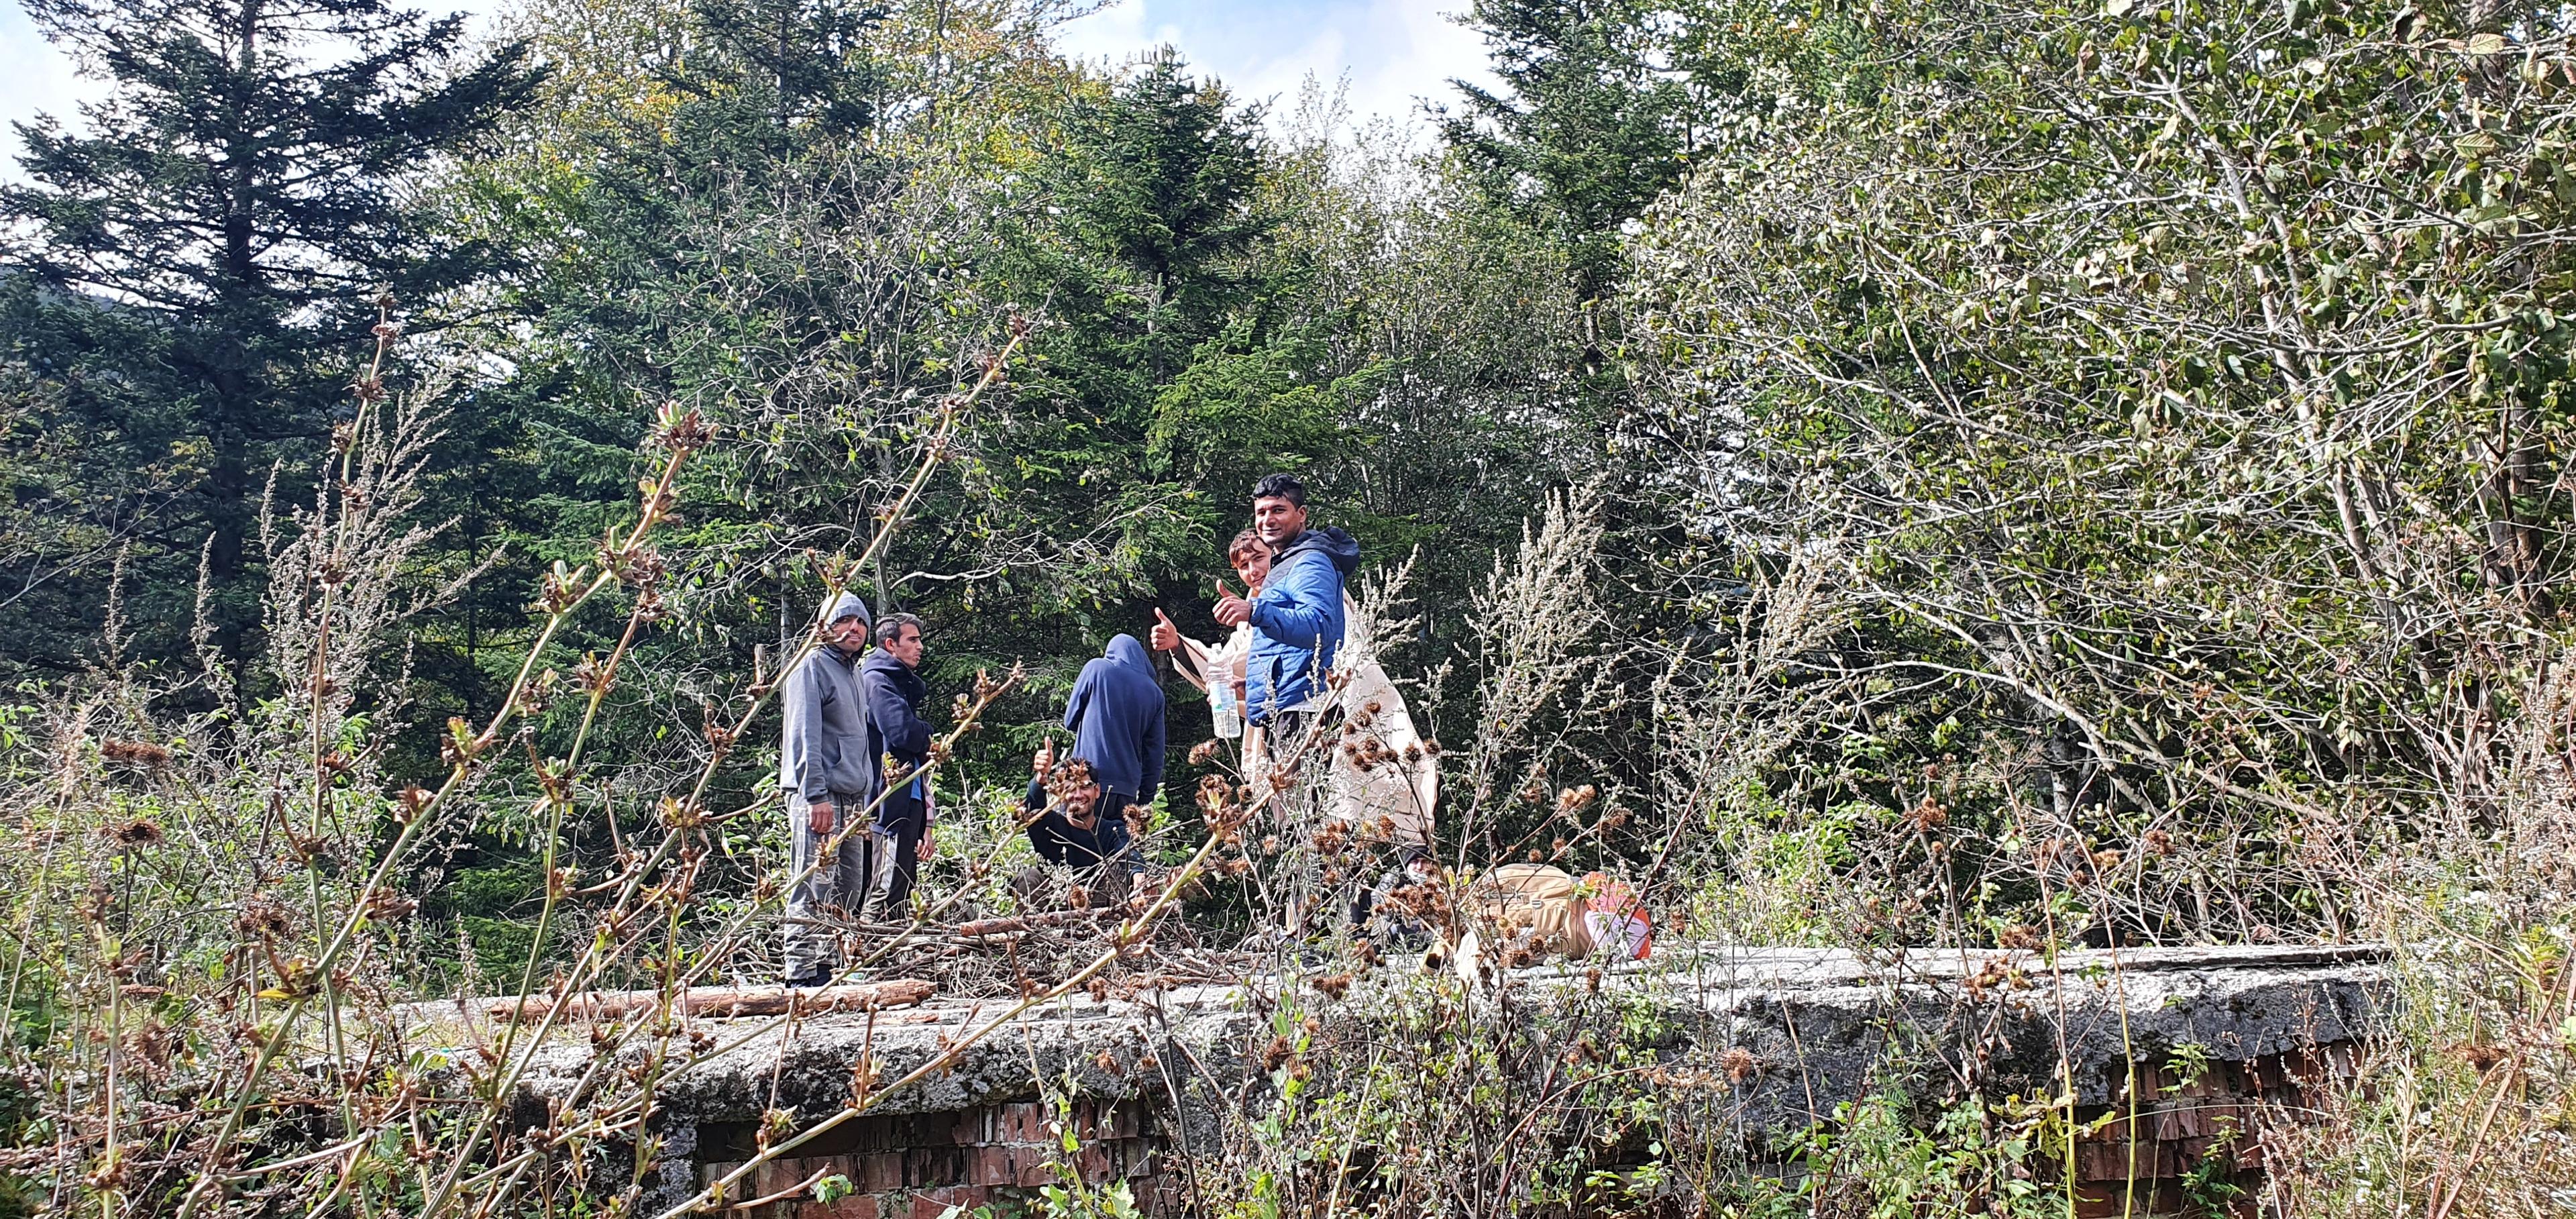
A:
823	748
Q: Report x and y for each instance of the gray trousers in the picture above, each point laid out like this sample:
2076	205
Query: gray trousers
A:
831	892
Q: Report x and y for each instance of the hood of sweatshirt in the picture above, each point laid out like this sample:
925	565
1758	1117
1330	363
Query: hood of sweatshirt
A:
1126	651
848	605
904	677
1116	713
1340	547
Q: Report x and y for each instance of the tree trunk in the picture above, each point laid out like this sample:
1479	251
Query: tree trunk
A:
233	378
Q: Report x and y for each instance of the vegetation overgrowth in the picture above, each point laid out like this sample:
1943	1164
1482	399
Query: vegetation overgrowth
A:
1879	475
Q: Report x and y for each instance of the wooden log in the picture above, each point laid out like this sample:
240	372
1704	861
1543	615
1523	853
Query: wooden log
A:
723	1001
1028	922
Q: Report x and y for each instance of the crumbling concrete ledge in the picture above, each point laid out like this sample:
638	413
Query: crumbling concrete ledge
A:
1818	1025
1821	1023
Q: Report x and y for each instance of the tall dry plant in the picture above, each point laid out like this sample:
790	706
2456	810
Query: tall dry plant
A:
2464	1110
206	917
1544	668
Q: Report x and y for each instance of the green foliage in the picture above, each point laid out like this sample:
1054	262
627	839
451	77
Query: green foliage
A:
188	279
1592	125
1885	1158
2175	379
1242	409
1534	1106
1951	471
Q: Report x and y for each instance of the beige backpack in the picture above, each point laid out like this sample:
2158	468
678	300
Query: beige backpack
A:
1530	907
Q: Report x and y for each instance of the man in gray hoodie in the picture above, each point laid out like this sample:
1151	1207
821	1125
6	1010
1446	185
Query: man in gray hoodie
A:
830	776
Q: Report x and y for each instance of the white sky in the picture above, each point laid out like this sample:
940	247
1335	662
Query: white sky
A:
1393	53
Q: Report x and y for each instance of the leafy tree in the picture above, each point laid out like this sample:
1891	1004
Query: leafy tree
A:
212	249
802	66
674	144
1450	370
2181	387
1142	252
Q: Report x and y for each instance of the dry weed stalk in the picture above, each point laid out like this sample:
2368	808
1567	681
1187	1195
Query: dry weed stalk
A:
196	1075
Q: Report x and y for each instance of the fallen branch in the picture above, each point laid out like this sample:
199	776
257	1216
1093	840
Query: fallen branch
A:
723	1001
1025	922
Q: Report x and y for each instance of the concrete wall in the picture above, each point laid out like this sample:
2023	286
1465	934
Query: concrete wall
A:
1147	1076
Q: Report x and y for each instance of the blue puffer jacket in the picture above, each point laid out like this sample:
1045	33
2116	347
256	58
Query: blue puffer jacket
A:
1297	622
895	728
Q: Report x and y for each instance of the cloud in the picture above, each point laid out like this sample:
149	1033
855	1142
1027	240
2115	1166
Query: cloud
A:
1392	54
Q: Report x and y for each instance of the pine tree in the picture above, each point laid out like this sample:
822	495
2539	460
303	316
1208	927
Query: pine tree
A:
209	254
1589	128
1151	204
803	66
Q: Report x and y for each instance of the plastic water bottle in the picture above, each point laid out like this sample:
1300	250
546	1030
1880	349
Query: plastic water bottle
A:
1228	724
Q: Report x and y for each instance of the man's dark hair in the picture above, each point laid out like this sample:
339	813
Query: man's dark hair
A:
890	627
1280	486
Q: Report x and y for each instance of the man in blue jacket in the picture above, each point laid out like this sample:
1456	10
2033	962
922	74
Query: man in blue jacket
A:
1297	629
1297	616
899	743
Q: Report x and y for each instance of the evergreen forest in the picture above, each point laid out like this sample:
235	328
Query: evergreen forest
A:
1881	476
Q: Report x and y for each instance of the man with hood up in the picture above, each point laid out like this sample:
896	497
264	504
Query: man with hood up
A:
1116	714
829	773
899	741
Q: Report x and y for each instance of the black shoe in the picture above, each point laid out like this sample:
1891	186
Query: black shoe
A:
812	981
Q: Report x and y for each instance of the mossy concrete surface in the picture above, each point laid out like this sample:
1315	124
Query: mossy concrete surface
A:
1801	1031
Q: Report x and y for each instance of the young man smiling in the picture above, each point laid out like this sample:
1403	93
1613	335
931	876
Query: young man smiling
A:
1297	623
1296	618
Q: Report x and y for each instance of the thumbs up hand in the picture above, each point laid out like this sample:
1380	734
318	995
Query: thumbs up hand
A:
1165	636
1230	609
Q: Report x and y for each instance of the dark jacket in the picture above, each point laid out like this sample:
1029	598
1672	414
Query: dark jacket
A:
895	693
1058	840
823	747
1297	623
1116	714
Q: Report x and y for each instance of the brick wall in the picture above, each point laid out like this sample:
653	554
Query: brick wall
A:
917	1166
2218	1115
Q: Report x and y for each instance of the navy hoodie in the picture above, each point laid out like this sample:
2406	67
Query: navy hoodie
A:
1116	714
1297	623
894	693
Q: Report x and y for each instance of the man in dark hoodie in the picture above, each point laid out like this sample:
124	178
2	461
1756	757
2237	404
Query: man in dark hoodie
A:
899	740
829	772
1116	714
